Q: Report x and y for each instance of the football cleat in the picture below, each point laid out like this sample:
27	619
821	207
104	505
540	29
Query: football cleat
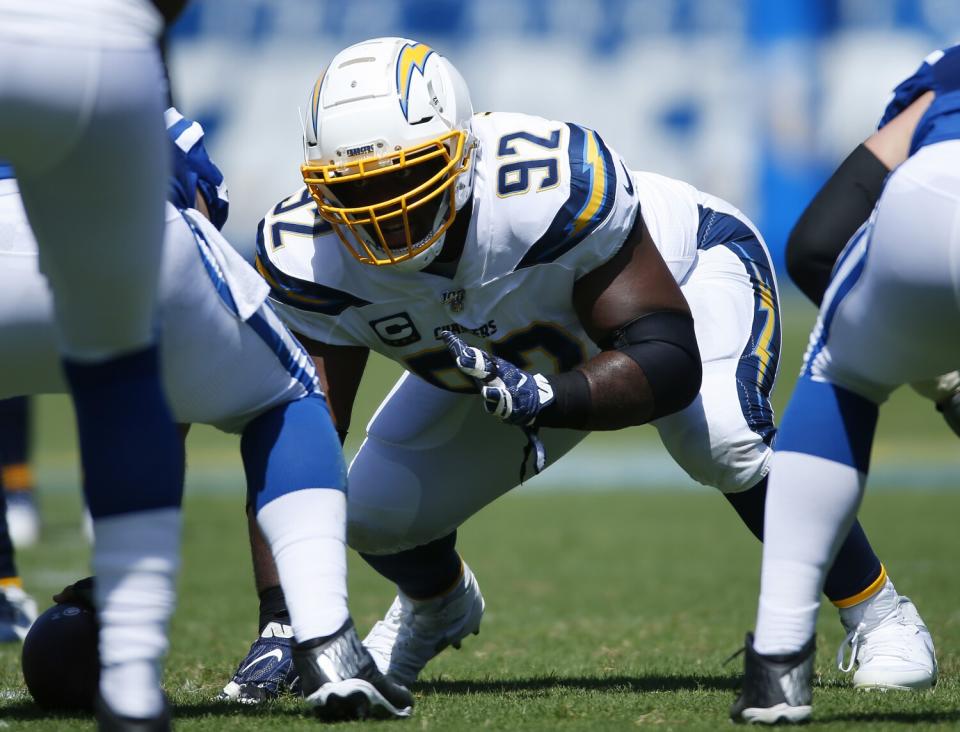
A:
776	688
340	679
23	518
110	721
890	646
414	631
17	612
267	671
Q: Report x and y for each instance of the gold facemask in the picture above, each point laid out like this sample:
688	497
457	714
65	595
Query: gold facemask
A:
414	182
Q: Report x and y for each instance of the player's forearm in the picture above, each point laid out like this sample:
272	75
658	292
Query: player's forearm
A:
609	392
832	217
653	369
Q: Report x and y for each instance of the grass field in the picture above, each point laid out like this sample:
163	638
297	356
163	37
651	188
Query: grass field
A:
606	608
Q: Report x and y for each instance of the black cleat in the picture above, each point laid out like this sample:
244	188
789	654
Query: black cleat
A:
340	680
777	688
110	721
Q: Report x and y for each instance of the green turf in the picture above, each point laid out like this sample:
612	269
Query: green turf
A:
604	611
609	610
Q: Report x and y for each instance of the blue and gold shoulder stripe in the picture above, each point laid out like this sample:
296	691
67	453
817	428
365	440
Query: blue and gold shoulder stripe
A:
294	291
593	183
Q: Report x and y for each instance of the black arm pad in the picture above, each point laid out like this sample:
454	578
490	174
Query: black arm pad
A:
664	345
571	401
832	217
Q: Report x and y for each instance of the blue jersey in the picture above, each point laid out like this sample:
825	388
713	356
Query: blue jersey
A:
939	73
6	170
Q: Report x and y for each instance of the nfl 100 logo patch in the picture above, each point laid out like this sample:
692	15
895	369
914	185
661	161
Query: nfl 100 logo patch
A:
453	299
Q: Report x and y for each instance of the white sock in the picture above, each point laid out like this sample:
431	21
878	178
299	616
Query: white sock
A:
135	560
306	530
811	504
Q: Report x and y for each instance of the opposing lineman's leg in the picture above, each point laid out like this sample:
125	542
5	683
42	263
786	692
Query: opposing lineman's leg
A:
881	325
297	482
723	439
75	120
430	461
297	479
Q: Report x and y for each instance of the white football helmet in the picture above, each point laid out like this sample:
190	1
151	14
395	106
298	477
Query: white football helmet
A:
388	149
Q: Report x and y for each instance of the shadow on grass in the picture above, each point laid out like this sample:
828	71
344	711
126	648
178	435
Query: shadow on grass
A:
915	717
632	684
26	711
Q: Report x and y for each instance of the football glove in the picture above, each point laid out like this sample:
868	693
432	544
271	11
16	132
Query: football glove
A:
944	392
510	393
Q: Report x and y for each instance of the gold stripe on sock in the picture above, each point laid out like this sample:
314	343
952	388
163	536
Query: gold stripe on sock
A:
17	477
872	589
11	582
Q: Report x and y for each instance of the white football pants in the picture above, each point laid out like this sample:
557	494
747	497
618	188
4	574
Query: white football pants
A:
83	127
217	368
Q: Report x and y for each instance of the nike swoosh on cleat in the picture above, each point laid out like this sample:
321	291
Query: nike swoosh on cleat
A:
275	653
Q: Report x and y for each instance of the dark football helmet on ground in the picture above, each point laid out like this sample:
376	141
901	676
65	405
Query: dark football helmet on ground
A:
61	665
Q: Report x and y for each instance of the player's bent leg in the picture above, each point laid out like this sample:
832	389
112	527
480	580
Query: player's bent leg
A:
134	497
100	248
888	643
296	479
431	459
723	438
817	481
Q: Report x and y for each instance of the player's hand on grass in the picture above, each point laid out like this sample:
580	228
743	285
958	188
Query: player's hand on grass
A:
512	394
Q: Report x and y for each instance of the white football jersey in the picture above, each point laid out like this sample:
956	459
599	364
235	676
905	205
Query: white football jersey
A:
551	203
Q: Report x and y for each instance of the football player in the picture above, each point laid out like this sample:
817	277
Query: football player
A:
523	255
893	292
227	361
81	107
840	208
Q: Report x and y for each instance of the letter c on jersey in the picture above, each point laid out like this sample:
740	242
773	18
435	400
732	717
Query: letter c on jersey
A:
396	330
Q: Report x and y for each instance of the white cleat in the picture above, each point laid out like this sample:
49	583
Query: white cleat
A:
891	647
23	519
414	631
17	612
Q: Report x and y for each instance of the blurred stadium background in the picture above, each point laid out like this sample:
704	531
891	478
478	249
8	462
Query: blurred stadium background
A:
753	100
